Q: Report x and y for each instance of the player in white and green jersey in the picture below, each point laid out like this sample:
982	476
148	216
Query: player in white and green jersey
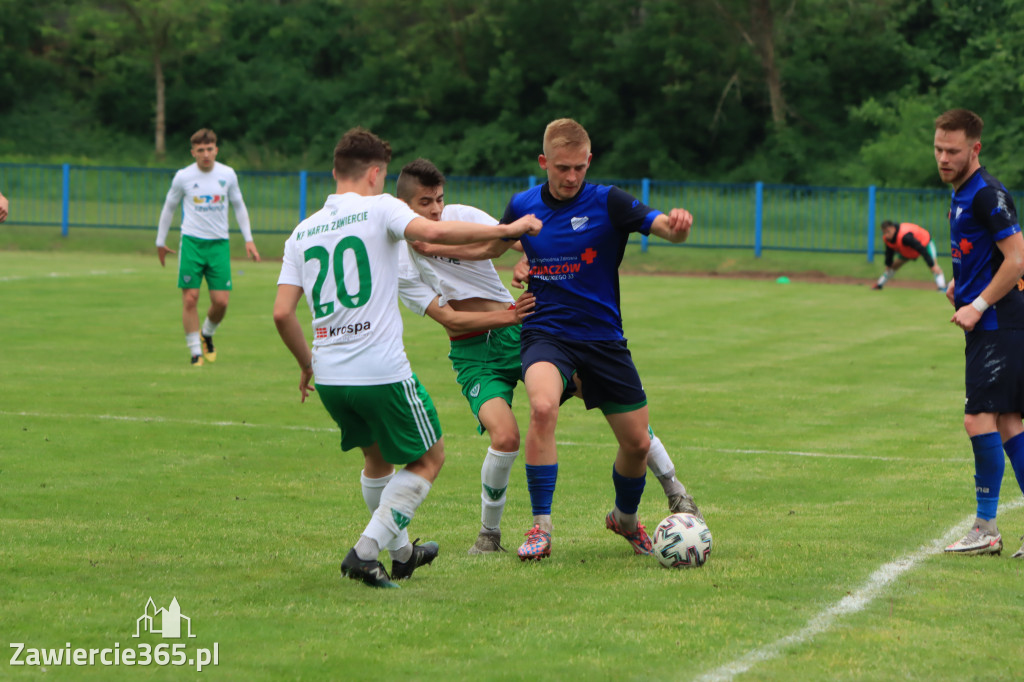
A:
204	191
487	363
344	260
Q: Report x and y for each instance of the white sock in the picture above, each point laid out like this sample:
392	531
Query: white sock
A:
399	501
192	341
372	489
494	475
940	281
209	327
662	467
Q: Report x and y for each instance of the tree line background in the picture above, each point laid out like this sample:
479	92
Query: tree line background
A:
822	92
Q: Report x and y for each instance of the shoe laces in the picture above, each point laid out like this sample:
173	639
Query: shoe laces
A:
535	534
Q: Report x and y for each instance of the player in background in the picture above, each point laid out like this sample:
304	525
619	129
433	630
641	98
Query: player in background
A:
487	366
204	190
4	205
905	242
986	293
344	260
576	327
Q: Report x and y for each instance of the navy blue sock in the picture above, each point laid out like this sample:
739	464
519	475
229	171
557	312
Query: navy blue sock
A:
988	472
1015	451
628	491
540	480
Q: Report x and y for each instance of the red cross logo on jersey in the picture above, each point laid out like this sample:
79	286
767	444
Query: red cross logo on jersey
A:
965	246
588	256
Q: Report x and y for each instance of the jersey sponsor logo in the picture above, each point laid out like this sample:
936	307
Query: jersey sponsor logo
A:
342	333
579	223
208	199
588	256
964	248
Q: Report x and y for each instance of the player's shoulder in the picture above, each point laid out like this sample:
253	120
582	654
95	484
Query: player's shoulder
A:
224	170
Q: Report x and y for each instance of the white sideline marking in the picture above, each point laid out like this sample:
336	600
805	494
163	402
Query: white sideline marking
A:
793	453
852	603
58	275
164	420
319	429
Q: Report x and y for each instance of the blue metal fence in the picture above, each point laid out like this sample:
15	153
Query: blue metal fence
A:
755	216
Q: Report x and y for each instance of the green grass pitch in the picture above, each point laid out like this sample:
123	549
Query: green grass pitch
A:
818	427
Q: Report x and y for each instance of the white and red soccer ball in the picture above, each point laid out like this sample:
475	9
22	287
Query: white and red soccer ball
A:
682	541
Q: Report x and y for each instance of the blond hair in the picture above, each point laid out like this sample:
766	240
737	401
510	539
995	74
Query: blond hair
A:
565	132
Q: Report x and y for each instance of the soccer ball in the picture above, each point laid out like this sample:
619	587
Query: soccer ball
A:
682	541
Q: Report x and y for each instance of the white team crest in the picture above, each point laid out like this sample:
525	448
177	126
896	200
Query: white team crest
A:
959	210
579	223
187	278
475	391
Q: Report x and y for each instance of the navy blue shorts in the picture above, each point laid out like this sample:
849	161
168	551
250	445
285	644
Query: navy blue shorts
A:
994	371
605	368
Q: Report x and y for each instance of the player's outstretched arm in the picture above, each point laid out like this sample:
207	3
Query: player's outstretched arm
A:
290	330
477	251
457	232
465	322
673	226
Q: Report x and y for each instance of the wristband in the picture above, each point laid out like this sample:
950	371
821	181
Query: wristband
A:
979	304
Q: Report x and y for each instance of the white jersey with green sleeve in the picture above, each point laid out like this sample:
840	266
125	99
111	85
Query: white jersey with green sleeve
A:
345	258
204	198
456	279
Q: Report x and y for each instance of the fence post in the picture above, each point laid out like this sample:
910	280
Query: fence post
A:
532	180
303	182
65	199
871	224
758	218
646	199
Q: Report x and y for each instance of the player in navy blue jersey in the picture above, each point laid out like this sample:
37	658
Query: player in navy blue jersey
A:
577	325
987	294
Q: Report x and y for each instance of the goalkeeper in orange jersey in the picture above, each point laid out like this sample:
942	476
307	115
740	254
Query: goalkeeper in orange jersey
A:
905	242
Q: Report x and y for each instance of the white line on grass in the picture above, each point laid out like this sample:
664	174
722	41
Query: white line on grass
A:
59	275
315	429
852	603
793	453
164	420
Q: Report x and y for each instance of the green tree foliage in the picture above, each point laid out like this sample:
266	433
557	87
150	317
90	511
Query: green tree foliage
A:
801	91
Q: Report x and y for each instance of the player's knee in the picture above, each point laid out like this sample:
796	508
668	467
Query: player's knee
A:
504	439
544	414
636	446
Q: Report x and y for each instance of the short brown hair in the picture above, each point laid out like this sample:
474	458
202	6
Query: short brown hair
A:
203	136
888	223
565	132
419	172
357	150
961	119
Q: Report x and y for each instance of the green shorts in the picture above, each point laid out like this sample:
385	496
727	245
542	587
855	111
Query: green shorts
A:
399	417
487	366
199	258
